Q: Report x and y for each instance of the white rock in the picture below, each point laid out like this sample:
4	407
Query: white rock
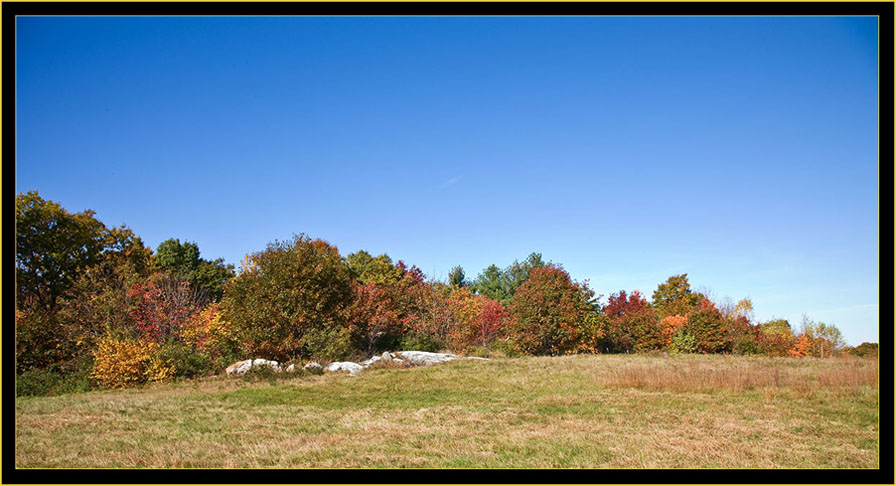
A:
291	368
352	368
423	358
243	367
370	361
387	356
258	363
313	364
240	367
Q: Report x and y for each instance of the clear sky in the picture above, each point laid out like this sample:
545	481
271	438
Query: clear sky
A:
741	151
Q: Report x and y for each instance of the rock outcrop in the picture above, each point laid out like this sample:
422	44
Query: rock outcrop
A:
352	368
243	367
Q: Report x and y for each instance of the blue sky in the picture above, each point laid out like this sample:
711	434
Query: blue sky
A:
741	151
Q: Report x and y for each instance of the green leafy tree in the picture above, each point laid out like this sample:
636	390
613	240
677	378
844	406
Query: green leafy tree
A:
493	283
183	260
290	299
517	272
456	277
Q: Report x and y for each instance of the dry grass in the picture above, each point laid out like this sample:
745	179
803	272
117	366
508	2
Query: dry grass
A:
570	412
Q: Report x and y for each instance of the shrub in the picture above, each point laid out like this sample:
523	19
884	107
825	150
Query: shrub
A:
670	326
125	363
50	382
416	341
184	361
333	343
593	333
506	346
208	333
683	342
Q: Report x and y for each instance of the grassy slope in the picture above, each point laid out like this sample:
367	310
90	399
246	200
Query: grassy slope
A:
575	411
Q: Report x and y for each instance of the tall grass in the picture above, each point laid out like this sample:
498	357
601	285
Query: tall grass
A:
706	376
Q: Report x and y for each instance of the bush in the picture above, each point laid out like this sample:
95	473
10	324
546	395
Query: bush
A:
208	333
507	347
125	363
416	341
334	344
683	342
184	361
49	382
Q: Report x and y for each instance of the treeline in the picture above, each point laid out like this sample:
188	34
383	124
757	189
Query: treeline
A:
96	307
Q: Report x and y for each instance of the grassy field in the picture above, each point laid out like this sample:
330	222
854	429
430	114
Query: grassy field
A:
564	412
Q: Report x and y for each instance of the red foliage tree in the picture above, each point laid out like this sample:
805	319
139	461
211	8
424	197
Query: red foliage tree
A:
633	324
163	304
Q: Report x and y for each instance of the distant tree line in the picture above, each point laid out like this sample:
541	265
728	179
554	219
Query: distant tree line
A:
97	307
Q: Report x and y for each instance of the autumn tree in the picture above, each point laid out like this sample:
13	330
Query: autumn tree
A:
547	310
54	247
707	326
824	338
366	268
633	324
64	263
162	305
674	296
290	299
865	350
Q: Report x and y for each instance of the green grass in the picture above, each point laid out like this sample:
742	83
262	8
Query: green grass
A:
565	412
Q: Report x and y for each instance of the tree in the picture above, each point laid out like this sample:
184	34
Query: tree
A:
53	248
548	309
365	268
824	338
674	297
162	305
707	326
517	272
67	281
633	324
289	299
865	350
779	327
456	277
492	283
182	259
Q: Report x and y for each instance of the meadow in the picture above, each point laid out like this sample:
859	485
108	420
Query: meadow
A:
581	411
